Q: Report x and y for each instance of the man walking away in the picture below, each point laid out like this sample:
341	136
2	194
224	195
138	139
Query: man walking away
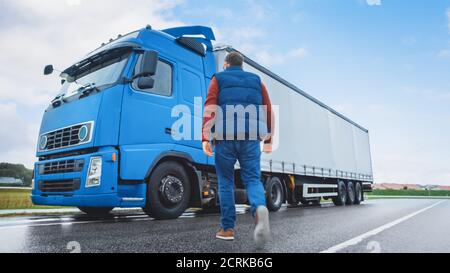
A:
236	88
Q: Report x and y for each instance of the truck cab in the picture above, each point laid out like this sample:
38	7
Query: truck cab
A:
106	139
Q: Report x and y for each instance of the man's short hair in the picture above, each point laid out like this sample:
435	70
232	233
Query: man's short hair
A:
235	59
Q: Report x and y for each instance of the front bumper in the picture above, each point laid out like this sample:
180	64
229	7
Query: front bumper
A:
100	200
104	195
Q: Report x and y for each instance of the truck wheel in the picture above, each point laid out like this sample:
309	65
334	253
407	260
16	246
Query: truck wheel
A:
358	194
350	193
274	194
316	202
292	200
341	199
96	211
168	191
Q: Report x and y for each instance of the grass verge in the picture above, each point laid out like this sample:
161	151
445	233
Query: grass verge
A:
18	199
418	193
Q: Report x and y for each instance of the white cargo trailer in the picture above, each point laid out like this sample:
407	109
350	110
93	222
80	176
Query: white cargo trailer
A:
319	153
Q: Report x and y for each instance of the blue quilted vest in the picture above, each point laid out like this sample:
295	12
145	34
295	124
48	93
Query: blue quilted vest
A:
240	98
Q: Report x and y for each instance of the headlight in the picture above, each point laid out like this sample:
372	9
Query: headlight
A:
94	172
43	142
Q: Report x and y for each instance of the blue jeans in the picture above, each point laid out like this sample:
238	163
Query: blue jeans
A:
248	153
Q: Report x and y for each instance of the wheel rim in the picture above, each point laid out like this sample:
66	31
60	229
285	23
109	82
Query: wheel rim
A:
351	192
358	192
171	190
343	193
275	194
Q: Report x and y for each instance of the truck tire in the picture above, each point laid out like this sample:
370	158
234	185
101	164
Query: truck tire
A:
341	199
292	199
168	191
96	211
358	194
350	193
274	193
316	202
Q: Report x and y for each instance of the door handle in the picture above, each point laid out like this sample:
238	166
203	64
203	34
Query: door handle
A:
168	131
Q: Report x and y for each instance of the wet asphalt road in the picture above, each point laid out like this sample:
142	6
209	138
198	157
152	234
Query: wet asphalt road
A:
402	225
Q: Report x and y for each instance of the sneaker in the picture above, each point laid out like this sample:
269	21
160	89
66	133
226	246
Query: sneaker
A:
227	235
262	229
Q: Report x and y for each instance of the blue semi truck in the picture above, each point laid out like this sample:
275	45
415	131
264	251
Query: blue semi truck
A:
107	139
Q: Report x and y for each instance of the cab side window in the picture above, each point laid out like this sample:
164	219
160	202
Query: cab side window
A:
163	79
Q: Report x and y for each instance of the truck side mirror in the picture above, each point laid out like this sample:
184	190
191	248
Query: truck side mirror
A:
148	64
48	69
145	83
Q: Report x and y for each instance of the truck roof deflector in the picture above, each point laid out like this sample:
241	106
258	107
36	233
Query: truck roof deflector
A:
206	32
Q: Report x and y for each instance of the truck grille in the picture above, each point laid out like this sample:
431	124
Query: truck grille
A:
66	137
63	138
65	166
59	185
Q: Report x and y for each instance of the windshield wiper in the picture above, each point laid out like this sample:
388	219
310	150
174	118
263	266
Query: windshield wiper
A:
58	100
87	89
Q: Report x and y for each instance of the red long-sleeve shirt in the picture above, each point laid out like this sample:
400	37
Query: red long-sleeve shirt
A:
211	104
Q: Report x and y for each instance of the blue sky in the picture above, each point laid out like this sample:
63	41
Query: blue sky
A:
384	64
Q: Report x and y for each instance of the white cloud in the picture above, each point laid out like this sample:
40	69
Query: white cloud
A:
428	94
35	33
410	168
61	32
444	53
270	58
250	40
409	41
257	11
373	2
448	19
17	136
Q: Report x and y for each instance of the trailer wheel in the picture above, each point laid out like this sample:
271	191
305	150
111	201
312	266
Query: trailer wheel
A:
96	211
274	193
168	191
350	193
341	199
358	194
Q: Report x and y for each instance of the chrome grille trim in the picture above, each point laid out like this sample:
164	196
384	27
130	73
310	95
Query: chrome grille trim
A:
68	185
66	137
64	166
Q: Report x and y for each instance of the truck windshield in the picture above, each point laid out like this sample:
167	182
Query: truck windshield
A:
97	71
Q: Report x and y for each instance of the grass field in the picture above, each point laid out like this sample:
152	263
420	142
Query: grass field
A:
17	199
20	198
408	193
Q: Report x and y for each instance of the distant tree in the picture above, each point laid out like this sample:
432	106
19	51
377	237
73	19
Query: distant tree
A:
405	188
17	171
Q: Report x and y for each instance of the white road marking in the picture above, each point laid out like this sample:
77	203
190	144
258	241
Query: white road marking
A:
70	223
373	232
66	221
29	221
62	220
